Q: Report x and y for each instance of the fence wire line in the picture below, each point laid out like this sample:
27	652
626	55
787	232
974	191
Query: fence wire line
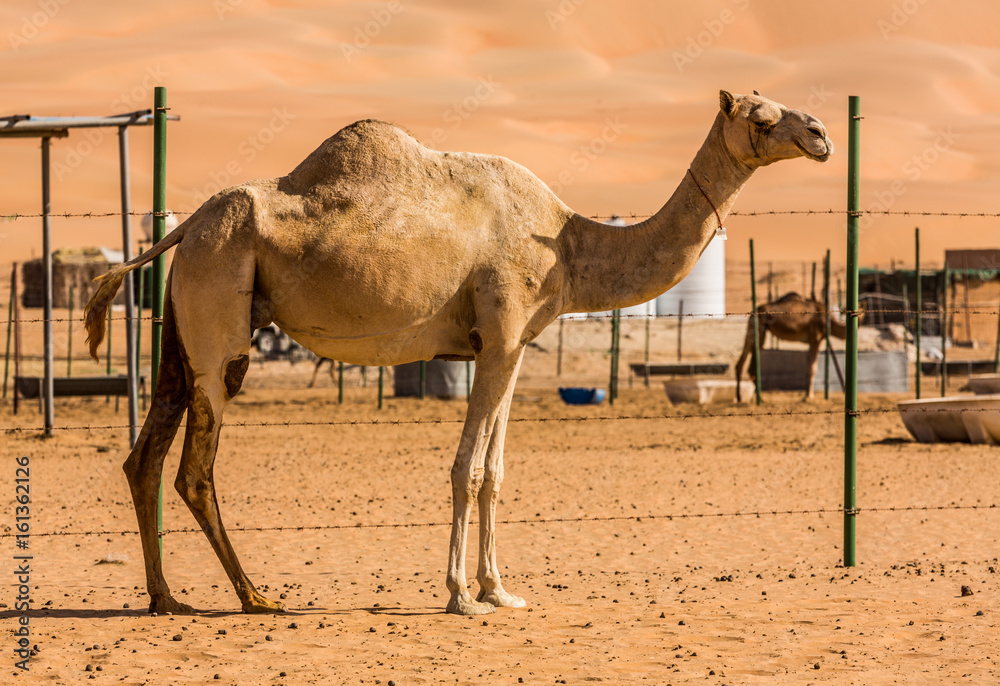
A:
14	216
548	520
516	420
928	314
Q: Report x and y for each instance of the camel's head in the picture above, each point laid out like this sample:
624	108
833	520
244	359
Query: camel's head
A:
759	131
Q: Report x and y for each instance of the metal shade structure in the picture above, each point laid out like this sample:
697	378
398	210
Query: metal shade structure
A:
47	128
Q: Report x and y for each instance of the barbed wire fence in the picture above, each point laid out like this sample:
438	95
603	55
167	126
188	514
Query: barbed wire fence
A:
749	413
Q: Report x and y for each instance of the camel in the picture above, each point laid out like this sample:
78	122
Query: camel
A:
379	251
319	363
791	317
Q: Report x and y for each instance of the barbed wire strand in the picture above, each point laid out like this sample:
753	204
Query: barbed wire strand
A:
520	420
547	520
14	216
930	314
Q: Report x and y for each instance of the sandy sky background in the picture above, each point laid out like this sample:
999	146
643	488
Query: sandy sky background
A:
607	102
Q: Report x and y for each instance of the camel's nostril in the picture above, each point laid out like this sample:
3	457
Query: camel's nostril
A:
816	131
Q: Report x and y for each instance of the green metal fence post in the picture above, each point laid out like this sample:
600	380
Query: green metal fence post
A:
159	263
920	308
340	383
826	320
851	390
138	324
381	381
756	325
613	380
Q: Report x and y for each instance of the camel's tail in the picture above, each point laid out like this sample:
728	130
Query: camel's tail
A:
108	285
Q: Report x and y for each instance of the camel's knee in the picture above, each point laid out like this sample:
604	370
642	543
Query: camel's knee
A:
196	490
466	481
236	369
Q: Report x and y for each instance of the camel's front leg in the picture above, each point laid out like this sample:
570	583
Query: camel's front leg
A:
495	374
491	590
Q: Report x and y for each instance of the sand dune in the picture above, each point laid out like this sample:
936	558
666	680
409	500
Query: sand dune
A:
619	96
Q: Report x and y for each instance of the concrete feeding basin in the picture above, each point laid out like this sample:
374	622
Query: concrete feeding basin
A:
962	419
705	391
985	384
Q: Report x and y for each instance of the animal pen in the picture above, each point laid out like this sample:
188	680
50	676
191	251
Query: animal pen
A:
47	129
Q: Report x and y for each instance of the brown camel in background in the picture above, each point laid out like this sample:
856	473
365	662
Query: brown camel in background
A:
791	317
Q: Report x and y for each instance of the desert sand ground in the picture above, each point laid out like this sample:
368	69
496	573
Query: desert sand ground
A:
648	550
622	533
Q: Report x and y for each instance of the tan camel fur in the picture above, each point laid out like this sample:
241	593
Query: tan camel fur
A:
791	317
377	250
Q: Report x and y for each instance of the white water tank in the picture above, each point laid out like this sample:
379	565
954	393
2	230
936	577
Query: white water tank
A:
703	290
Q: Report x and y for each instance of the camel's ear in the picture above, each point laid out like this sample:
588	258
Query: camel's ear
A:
755	92
728	104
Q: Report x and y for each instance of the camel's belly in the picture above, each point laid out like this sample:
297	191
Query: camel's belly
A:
419	342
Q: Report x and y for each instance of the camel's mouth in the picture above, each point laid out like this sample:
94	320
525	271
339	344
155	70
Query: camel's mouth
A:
819	157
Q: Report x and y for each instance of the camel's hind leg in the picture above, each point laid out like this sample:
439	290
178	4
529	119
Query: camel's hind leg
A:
144	465
215	335
196	480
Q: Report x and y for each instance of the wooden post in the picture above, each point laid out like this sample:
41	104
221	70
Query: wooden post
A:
17	334
944	330
920	307
756	325
560	348
645	357
10	324
680	329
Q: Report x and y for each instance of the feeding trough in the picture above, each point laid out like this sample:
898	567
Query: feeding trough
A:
582	396
706	391
985	384
962	419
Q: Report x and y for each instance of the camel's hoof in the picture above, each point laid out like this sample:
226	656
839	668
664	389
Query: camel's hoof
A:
460	605
164	604
262	606
501	598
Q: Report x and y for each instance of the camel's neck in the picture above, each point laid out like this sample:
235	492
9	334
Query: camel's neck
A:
838	329
611	267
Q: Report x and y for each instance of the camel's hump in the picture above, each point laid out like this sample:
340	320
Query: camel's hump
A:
363	149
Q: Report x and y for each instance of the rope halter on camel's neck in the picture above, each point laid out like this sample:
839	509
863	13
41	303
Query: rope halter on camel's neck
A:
721	231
